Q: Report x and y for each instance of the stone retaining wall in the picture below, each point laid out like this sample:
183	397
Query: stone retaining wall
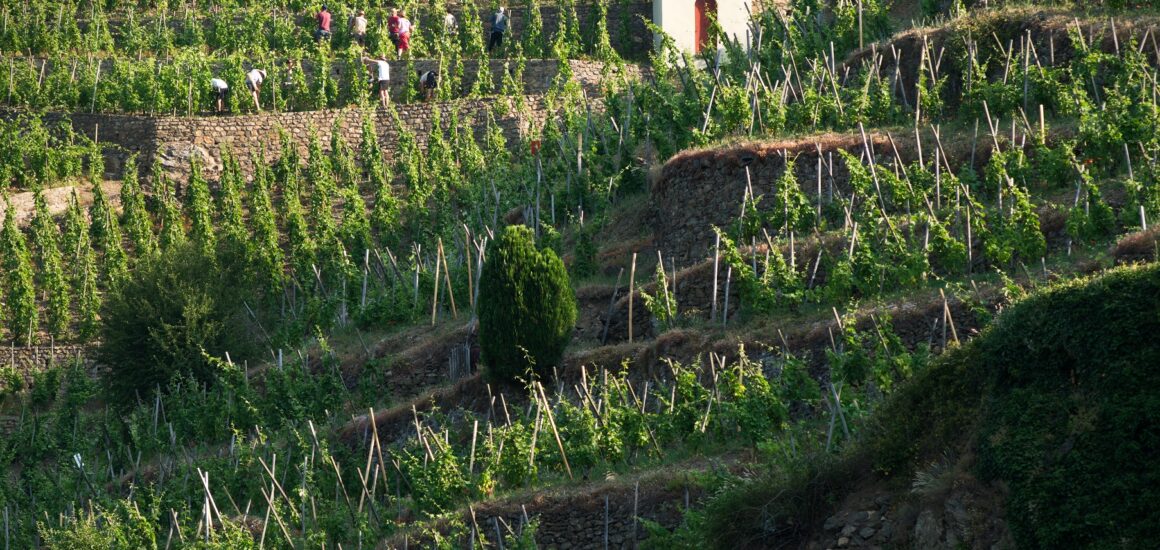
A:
27	360
702	189
173	140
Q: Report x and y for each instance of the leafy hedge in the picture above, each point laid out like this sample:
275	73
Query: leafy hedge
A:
1071	424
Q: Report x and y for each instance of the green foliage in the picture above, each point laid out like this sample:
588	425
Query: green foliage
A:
1070	386
662	305
169	318
526	306
20	307
52	276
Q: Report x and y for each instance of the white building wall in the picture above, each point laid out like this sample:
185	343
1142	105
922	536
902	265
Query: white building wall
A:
678	18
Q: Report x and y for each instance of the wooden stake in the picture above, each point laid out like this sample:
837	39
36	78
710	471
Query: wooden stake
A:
552	421
447	275
435	296
631	293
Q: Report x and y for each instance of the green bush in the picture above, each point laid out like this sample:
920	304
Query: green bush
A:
1070	421
527	309
170	316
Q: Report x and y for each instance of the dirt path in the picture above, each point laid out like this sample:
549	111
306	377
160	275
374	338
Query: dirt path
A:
57	199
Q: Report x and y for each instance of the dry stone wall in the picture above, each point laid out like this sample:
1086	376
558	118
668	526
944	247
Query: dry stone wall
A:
702	189
174	140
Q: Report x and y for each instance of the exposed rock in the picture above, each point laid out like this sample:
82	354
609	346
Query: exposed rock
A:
928	531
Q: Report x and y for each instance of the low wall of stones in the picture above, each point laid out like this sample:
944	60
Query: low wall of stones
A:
698	190
27	360
180	139
174	140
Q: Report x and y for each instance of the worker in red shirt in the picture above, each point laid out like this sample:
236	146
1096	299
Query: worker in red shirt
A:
323	32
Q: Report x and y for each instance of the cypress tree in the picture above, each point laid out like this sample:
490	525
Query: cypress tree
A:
527	309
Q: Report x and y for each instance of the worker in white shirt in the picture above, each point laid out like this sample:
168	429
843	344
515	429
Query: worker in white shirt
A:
220	89
254	80
381	75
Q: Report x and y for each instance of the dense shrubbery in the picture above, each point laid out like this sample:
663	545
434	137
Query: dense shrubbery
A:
1069	424
171	317
526	306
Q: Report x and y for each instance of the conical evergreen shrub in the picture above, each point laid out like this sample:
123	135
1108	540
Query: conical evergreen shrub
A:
527	309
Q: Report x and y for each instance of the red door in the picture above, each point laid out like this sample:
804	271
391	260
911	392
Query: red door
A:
702	10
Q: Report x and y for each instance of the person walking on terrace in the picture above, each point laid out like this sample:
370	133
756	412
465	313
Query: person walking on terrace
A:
428	81
393	27
449	23
254	80
358	28
323	31
220	91
499	25
405	26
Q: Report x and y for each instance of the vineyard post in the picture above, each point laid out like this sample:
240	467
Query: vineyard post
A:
716	260
447	278
605	522
860	45
552	421
668	298
818	218
467	252
1128	159
725	310
269	508
366	271
937	181
611	304
96	81
635	507
631	292
949	319
536	424
435	295
471	461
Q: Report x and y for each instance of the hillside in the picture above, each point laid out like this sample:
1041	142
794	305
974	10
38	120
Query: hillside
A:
866	284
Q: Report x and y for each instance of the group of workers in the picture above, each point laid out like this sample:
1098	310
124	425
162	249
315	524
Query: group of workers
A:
380	71
398	32
399	28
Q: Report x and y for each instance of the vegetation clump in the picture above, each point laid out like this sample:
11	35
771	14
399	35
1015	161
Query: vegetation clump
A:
526	305
170	318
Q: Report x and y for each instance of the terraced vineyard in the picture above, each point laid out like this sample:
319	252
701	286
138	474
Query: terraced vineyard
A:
855	283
